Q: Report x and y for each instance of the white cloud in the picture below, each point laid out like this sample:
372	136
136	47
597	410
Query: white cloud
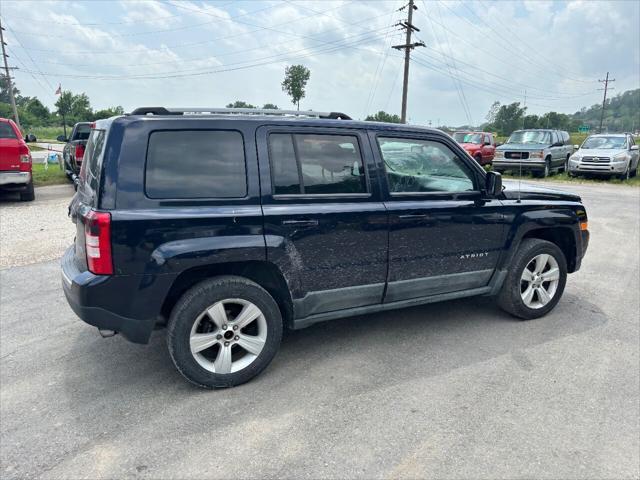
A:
554	50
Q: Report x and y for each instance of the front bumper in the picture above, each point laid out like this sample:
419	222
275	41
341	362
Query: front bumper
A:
577	166
526	165
15	178
89	295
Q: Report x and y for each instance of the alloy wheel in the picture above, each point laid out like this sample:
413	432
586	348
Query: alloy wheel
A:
539	281
228	336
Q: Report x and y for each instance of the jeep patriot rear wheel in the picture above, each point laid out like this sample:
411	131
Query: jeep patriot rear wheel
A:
224	331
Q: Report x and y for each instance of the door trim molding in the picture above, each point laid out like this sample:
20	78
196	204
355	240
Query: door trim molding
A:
322	301
427	286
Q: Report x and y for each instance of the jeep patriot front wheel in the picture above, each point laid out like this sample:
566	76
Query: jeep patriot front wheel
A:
224	331
536	280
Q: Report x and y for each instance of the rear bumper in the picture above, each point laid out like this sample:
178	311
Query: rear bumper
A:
527	165
15	178
91	297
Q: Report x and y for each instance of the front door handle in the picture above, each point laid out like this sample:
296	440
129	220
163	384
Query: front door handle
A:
301	223
410	216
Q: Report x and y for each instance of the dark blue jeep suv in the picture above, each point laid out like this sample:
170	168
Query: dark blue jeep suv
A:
227	226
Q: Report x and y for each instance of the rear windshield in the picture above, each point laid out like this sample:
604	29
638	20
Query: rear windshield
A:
195	164
6	131
82	132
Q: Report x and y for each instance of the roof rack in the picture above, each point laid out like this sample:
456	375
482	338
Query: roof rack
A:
238	111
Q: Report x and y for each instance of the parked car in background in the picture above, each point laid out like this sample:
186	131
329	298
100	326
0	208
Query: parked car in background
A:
606	154
73	152
15	161
537	151
480	145
230	225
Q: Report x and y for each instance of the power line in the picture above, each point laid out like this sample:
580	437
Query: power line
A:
506	45
263	61
456	81
407	47
534	50
384	54
194	44
153	32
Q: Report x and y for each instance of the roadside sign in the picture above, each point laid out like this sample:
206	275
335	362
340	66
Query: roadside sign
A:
583	128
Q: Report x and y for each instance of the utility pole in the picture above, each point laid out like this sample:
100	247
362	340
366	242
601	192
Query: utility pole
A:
524	114
606	82
8	77
407	47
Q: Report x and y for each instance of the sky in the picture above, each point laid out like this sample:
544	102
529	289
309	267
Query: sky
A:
192	53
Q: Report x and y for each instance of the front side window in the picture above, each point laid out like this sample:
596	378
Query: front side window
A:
195	164
417	166
309	164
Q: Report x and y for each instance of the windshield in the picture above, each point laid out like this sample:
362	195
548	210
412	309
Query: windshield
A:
459	136
471	138
530	136
605	142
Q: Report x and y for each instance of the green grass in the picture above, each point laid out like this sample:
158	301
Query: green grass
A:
563	177
52	176
48	134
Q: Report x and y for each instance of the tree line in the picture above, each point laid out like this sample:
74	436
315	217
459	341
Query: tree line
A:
72	107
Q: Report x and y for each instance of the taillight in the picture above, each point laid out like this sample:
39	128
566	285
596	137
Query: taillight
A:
79	152
25	158
97	235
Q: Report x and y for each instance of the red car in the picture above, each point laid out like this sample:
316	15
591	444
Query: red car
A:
480	145
15	161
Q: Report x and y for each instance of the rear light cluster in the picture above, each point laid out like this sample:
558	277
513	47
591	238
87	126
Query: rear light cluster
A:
79	152
25	159
97	234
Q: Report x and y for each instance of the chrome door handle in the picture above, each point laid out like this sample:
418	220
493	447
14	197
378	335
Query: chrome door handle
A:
301	223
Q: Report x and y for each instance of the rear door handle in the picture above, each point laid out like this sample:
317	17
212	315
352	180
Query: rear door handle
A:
301	223
413	215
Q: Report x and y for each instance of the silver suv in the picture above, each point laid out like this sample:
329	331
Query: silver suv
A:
606	154
537	151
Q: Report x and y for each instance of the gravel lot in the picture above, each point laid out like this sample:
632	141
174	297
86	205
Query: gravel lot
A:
452	390
35	231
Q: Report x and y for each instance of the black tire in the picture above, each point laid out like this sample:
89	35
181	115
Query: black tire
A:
478	159
29	194
626	174
510	299
194	302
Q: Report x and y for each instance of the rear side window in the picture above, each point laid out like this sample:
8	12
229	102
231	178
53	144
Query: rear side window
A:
6	131
92	160
316	164
196	164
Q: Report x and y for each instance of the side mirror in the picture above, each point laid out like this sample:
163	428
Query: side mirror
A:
576	147
487	143
557	144
61	138
635	147
493	184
